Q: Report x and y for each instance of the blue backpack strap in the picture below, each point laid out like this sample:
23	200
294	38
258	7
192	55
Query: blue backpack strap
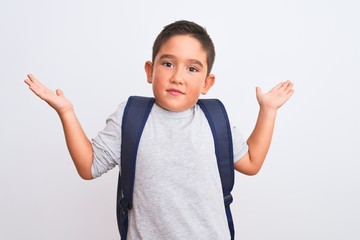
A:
218	120
135	115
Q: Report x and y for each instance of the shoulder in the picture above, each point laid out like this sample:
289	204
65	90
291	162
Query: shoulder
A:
116	116
213	105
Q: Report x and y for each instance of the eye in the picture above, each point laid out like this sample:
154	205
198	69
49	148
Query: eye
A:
168	64
192	69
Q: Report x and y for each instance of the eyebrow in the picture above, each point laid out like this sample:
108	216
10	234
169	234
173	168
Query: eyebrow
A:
194	61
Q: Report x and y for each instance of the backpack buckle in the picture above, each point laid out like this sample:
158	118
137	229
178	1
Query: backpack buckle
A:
228	199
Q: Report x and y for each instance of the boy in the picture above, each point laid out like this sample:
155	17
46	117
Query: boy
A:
177	191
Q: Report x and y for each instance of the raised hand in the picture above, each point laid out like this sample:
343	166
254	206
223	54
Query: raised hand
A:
276	97
260	139
55	99
78	144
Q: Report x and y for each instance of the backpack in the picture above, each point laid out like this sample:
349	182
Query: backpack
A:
135	116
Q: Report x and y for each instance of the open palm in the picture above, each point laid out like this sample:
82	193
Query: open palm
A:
55	99
276	97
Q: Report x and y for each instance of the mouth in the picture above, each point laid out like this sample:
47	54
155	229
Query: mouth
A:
174	91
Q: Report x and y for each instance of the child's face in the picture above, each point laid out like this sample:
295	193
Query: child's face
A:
179	73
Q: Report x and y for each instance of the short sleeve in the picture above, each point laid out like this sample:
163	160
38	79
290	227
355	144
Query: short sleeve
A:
239	144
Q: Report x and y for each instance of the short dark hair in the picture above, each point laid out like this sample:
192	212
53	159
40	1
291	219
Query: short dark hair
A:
183	27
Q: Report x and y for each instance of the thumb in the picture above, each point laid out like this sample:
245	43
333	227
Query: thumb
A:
258	91
59	92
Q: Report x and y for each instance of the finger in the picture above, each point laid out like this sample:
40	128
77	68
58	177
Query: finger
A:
291	92
59	92
284	85
37	87
258	91
277	87
28	82
35	81
33	86
32	78
289	87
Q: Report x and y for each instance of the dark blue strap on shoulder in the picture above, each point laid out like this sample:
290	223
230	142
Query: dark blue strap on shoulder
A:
218	120
135	115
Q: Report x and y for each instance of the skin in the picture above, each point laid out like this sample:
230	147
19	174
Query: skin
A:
179	74
78	144
178	77
260	139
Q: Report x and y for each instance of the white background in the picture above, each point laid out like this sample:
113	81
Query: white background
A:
95	51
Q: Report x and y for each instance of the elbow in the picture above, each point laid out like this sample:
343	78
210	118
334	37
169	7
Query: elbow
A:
86	175
247	166
249	171
254	166
253	172
85	171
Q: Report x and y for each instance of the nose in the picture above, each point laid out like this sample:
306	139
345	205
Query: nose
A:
177	77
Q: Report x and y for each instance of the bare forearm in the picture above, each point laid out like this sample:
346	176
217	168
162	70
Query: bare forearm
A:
78	144
260	139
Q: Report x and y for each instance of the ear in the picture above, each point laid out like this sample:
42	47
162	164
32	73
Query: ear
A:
209	82
149	71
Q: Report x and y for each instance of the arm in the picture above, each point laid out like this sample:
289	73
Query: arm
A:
78	144
260	139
